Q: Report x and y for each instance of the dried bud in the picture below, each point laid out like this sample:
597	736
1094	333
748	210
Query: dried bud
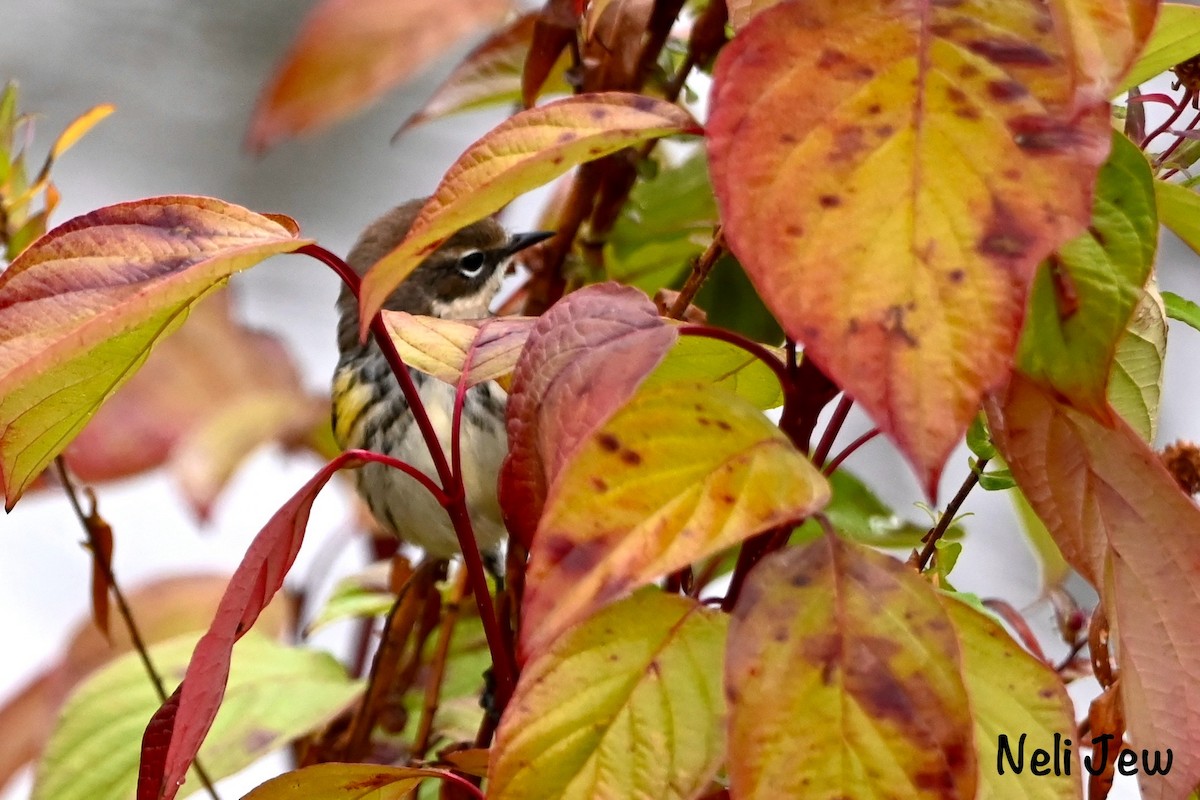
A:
1182	459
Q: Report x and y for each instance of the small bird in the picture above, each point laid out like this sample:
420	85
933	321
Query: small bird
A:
457	281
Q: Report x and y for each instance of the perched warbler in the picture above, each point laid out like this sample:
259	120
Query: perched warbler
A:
457	281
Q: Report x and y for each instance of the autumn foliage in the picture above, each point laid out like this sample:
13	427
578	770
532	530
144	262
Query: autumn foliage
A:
945	213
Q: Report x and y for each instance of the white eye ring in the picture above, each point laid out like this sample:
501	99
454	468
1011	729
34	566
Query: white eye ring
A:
471	264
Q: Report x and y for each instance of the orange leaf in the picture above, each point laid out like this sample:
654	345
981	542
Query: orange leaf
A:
490	74
1106	36
348	52
891	199
523	152
81	308
333	781
558	399
843	678
1121	520
552	32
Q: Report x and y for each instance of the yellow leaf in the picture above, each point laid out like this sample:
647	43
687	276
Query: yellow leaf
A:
890	176
842	676
628	704
682	471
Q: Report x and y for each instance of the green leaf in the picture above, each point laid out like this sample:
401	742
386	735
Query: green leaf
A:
700	359
1179	210
354	597
1135	385
82	307
1175	38
275	694
1084	294
945	557
1024	698
668	221
979	441
732	302
627	704
1182	309
858	515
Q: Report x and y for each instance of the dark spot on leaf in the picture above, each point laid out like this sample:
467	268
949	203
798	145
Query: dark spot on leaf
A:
847	143
556	160
893	323
597	113
842	66
829	201
1035	134
955	94
608	442
704	421
631	457
728	499
566	136
852	326
968	71
793	230
884	131
599	484
1011	52
966	112
1097	234
1004	236
1066	296
787	137
825	651
723	425
1005	91
1012	173
957	275
780	634
874	109
643	102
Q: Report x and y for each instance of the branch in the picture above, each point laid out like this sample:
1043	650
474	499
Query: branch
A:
452	486
91	523
700	271
921	560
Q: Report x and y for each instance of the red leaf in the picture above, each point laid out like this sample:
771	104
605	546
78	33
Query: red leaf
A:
553	31
174	734
1122	521
557	398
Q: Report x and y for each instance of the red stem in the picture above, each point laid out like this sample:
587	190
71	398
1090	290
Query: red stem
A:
452	495
1166	125
831	431
832	466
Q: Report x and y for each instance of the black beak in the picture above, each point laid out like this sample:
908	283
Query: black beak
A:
520	241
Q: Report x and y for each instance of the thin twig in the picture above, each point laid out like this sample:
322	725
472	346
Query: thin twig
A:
396	627
920	561
1166	125
89	520
831	430
437	666
841	457
700	272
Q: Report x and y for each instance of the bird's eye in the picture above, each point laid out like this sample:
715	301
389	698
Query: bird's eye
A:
471	264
